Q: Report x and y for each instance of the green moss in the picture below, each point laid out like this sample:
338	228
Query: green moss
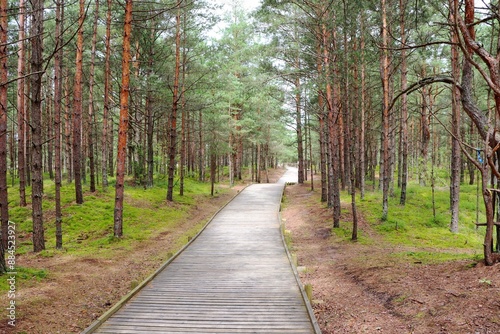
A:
88	228
432	257
22	275
415	224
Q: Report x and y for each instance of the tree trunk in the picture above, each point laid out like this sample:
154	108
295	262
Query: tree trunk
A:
331	101
308	130
183	111
36	123
90	138
21	106
201	164
107	92
456	152
77	109
384	71
149	133
321	121
298	121
4	197
58	89
175	103
67	133
466	28
362	145
404	108
425	134
123	128
48	126
213	166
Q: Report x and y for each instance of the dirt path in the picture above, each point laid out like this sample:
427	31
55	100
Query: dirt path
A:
361	289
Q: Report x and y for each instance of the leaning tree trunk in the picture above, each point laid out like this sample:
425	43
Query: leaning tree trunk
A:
466	29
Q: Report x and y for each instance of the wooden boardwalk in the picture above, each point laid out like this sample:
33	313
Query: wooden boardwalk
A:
235	277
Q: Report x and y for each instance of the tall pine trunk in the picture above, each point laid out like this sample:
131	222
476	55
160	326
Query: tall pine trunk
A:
123	127
404	108
384	75
77	109
90	138
4	197
362	145
21	106
58	89
36	123
455	128
175	105
107	98
67	133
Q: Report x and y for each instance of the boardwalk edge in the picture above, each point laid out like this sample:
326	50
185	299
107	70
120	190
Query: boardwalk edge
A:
106	315
309	308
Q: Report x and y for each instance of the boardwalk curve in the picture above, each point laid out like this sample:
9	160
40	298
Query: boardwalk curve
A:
236	277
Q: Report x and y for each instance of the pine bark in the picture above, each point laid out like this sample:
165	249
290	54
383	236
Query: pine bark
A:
425	134
184	116
175	106
333	135
149	113
107	97
124	120
21	105
67	134
455	128
298	125
77	109
384	75
58	89
90	135
4	197
404	107
36	123
362	135
321	123
201	144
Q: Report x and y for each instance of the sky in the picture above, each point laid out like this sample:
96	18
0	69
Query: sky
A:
249	5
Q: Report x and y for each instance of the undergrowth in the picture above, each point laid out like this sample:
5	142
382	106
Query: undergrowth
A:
415	223
88	228
423	236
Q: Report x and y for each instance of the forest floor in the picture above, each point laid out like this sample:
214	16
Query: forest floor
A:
362	287
357	287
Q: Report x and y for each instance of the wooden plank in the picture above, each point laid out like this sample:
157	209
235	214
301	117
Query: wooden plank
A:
234	278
